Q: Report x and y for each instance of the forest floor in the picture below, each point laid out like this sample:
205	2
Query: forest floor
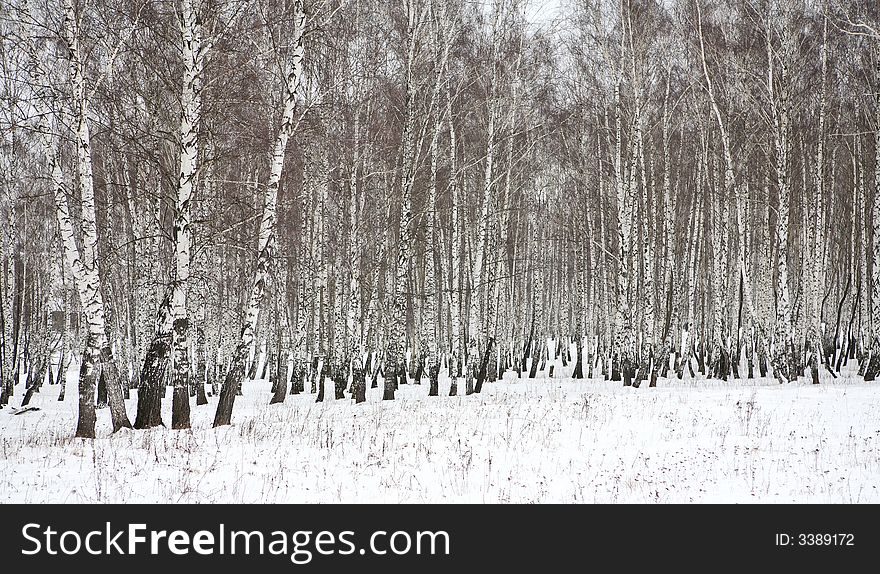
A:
527	440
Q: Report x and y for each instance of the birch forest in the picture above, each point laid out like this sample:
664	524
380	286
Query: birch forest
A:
343	197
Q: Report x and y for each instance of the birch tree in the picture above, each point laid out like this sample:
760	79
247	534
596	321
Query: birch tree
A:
292	77
98	350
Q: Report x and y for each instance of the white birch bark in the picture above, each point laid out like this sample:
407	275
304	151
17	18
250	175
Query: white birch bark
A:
818	256
397	337
191	98
624	340
98	348
455	279
293	74
783	336
874	363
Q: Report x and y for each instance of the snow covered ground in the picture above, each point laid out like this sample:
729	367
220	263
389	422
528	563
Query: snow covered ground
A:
542	440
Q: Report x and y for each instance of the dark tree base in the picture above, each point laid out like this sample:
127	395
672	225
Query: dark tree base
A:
533	371
29	393
231	386
297	378
420	369
358	383
433	376
484	363
102	392
280	391
151	387
390	385
578	365
180	409
615	369
339	377
873	366
88	375
201	398
320	390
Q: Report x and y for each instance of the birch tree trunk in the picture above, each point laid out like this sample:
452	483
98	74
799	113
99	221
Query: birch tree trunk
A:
430	328
84	264
90	367
815	336
191	97
353	318
874	363
783	361
395	361
267	235
624	342
456	342
480	284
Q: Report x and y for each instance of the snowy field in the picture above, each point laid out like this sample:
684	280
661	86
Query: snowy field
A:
541	440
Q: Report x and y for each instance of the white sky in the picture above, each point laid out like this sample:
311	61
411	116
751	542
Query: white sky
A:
542	11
